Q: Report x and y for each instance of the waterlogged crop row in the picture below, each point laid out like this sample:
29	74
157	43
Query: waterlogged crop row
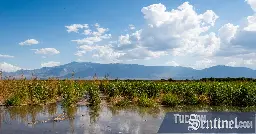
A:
123	93
36	92
182	93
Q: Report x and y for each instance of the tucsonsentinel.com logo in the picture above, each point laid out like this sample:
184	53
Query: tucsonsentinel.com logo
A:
208	122
196	122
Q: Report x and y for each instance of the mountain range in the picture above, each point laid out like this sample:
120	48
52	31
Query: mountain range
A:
86	70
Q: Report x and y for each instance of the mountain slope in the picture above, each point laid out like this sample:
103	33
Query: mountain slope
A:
87	70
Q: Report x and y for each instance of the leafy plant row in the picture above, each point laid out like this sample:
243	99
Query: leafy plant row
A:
185	93
37	92
123	93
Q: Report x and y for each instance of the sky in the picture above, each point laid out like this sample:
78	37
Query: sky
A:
193	33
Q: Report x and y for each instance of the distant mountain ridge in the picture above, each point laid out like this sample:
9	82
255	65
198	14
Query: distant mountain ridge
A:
86	70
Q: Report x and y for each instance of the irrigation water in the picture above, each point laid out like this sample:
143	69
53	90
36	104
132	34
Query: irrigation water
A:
98	119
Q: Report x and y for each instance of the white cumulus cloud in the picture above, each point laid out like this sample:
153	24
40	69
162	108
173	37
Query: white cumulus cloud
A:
100	31
6	67
141	53
247	60
172	63
227	32
245	35
124	39
75	27
29	42
178	32
6	56
201	64
93	36
252	3
90	44
50	64
87	31
88	40
179	29
83	49
100	52
182	33
251	24
46	51
131	26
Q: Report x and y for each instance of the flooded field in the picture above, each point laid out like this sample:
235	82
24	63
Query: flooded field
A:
54	119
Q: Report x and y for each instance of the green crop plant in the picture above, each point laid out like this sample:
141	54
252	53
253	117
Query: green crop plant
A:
144	101
171	99
13	101
72	91
94	95
215	92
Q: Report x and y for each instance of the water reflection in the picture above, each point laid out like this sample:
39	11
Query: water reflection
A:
24	114
90	119
94	112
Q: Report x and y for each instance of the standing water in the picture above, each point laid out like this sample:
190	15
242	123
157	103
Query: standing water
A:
54	119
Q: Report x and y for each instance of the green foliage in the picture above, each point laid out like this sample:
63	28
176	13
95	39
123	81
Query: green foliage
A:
170	99
73	91
13	101
144	93
144	101
190	98
94	94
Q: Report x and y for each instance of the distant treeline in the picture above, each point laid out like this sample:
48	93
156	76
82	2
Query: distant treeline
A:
203	79
228	79
217	79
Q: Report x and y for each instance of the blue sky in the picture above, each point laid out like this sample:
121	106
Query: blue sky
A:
196	33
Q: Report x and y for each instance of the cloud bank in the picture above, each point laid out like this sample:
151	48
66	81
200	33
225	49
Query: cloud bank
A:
180	33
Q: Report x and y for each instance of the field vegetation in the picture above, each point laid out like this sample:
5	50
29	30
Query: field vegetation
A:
213	92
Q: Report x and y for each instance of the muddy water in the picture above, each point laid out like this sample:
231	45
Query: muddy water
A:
53	119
